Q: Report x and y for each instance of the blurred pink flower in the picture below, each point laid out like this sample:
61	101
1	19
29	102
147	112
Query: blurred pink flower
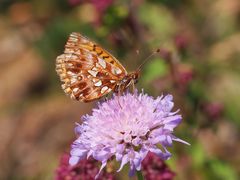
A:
213	110
74	2
165	54
185	75
154	168
100	6
84	169
181	42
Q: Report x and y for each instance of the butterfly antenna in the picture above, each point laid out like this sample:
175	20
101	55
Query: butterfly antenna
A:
147	59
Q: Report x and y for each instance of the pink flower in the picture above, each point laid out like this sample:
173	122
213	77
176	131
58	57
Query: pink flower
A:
84	169
100	5
127	127
154	168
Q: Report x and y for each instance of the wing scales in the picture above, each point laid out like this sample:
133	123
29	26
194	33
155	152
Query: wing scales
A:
87	71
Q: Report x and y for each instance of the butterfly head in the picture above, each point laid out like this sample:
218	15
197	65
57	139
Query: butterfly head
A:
134	76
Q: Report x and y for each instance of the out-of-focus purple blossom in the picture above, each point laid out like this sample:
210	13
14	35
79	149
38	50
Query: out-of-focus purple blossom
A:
100	6
165	54
127	127
181	42
154	168
213	110
75	2
84	169
185	75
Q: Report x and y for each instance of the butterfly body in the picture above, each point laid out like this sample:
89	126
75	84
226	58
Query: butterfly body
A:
126	81
89	72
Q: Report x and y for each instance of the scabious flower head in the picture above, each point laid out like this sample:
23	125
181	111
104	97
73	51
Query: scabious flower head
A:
127	127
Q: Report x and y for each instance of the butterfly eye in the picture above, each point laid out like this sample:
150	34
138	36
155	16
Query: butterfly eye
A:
136	76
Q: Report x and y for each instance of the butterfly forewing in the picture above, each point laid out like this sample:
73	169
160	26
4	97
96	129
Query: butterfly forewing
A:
87	71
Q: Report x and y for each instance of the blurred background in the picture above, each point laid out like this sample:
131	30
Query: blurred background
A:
198	63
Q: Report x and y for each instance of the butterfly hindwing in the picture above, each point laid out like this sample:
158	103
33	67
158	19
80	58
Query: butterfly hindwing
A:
87	71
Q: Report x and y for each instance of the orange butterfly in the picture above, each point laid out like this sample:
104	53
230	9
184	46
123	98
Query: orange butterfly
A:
89	72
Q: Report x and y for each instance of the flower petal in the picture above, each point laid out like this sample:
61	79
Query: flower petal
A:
73	160
125	160
101	168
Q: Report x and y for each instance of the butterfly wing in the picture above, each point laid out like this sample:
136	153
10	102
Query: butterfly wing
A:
87	71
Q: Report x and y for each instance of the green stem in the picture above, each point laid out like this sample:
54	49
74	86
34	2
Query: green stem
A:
139	175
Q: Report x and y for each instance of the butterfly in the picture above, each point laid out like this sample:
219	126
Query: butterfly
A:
89	72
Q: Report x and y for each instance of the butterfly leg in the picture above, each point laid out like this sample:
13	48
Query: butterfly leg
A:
119	93
107	97
132	88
